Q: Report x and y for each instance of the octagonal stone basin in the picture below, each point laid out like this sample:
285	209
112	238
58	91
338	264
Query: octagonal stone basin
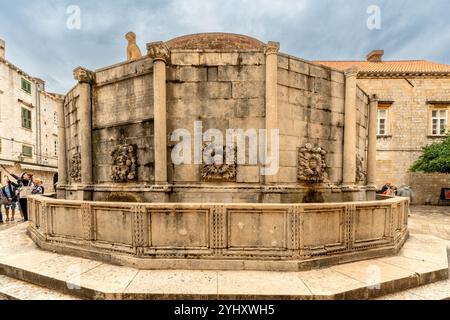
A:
220	236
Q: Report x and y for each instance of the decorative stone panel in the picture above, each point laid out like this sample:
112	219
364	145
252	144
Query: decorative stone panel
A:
124	163
312	164
219	172
361	173
75	167
227	236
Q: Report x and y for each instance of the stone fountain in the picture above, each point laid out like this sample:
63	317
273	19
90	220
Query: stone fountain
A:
122	198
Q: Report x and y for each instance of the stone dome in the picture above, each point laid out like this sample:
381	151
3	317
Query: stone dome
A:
215	41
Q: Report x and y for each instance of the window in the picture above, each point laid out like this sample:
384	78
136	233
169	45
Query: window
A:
0	149
383	121
439	122
27	151
26	85
26	119
55	117
56	148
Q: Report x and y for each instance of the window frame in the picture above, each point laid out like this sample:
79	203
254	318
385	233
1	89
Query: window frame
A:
387	128
438	109
26	155
30	120
27	88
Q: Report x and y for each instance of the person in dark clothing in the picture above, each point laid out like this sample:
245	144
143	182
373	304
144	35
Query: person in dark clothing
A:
10	192
386	187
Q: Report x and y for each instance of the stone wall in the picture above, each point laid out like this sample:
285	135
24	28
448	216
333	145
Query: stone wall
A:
223	91
123	115
311	110
427	187
409	122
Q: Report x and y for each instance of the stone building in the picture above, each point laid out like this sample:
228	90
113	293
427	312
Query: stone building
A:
28	124
413	110
118	121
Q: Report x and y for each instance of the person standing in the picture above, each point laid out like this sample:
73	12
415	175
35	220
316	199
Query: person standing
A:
10	192
25	183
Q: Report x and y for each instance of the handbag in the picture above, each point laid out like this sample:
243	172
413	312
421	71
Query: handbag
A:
3	199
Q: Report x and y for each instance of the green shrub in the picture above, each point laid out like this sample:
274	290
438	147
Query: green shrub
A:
435	158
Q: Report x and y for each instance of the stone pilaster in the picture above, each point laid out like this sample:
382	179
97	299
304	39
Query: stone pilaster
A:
372	149
349	164
272	123
62	155
85	80
160	54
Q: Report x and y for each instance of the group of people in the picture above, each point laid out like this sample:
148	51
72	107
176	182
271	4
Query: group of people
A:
14	194
391	190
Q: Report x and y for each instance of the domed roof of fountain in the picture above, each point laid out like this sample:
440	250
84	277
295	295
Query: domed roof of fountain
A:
215	41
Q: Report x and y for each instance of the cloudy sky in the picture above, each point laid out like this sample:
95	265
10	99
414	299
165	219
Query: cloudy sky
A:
39	41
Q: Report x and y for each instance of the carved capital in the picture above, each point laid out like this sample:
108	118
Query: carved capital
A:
351	72
272	48
374	98
83	75
158	51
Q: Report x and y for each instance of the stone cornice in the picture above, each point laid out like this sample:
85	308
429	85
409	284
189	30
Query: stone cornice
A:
83	75
158	51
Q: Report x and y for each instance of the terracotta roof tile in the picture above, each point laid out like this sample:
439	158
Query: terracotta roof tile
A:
404	67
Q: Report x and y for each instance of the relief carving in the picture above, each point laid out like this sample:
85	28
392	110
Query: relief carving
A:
312	164
75	167
124	163
219	172
361	174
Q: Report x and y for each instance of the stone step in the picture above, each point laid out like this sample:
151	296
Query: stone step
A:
435	291
13	289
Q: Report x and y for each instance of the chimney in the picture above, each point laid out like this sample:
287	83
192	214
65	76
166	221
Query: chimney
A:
2	49
375	56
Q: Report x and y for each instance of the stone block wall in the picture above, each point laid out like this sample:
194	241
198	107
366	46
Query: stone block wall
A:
408	122
222	90
123	114
427	187
311	110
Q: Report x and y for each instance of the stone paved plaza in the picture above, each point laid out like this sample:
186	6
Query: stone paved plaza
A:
434	221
